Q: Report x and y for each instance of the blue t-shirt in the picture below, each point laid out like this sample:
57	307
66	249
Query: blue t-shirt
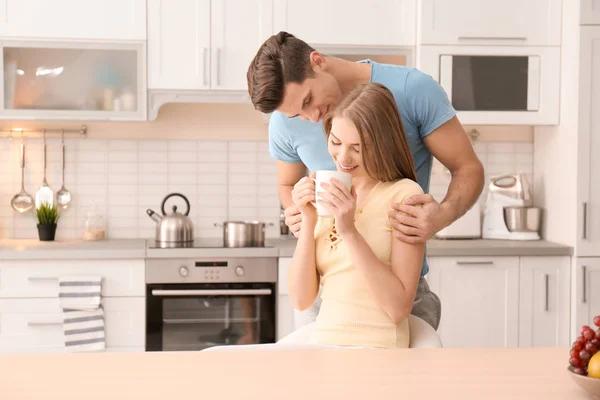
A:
423	107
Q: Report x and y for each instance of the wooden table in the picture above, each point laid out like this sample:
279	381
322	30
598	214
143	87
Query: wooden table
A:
422	374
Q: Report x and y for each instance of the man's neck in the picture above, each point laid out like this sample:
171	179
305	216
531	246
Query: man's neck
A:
349	73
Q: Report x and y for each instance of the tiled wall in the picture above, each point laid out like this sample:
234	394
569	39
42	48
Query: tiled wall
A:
497	158
223	180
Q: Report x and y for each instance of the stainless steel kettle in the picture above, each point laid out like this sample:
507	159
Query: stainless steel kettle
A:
174	229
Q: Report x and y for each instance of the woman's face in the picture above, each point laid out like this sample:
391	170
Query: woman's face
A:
345	147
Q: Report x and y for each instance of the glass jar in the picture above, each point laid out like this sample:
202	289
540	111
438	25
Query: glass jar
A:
94	228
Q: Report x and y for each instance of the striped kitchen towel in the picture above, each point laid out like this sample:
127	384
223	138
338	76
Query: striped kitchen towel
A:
83	316
84	330
79	292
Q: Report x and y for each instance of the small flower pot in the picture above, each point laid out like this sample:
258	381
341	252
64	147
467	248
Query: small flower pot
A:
46	232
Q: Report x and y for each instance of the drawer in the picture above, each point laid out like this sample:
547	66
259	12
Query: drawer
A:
34	279
282	274
35	325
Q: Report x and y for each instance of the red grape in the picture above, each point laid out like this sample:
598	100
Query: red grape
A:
584	328
574	361
590	348
577	347
595	342
581	340
584	355
597	320
589	334
598	334
580	371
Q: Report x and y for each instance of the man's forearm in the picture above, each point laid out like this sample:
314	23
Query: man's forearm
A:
285	195
464	190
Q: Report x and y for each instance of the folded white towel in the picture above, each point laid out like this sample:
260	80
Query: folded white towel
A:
83	316
79	292
84	330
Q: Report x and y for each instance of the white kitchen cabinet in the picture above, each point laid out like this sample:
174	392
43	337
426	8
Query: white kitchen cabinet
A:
335	22
480	300
585	293
60	80
35	325
588	234
508	22
544	301
73	19
285	311
205	44
39	278
590	12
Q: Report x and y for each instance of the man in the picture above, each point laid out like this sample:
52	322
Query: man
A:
300	86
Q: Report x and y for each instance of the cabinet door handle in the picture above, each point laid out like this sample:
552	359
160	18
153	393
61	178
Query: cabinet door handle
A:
205	67
584	294
218	67
43	323
42	278
521	39
474	263
584	230
547	286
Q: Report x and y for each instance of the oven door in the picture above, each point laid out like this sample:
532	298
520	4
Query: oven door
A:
191	317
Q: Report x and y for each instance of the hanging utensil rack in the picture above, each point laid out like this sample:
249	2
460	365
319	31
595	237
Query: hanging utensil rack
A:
13	133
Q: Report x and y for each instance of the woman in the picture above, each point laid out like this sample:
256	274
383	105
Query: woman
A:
369	279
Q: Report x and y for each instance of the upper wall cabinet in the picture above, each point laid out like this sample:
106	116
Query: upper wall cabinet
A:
335	22
507	22
73	80
590	12
203	45
73	19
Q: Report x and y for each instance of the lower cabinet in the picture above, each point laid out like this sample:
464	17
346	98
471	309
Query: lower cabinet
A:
35	325
502	301
586	293
285	311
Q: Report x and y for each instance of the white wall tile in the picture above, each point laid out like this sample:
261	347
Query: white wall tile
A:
222	180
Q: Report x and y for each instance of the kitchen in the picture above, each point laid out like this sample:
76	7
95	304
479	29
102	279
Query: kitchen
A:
166	111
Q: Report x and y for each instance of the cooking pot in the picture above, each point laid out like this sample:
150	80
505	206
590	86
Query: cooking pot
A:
243	233
174	229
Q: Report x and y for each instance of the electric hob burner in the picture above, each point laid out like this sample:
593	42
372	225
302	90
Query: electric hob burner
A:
198	244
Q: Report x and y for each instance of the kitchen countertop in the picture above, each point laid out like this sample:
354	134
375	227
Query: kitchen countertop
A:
14	249
33	249
473	247
516	374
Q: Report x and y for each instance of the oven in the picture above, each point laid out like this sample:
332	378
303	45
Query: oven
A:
196	303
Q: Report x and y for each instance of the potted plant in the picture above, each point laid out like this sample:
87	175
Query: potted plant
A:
47	216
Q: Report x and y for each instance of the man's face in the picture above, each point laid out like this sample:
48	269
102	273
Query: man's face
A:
313	99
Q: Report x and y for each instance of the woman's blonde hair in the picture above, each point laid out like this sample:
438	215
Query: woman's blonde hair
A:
385	152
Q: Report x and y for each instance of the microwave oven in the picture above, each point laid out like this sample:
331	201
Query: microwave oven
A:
497	84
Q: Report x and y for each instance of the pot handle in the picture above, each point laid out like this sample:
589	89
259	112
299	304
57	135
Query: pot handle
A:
187	203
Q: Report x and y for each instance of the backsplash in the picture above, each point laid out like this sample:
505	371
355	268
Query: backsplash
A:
497	157
223	180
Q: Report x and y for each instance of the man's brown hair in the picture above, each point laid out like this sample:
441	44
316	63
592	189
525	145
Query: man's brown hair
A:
282	58
372	109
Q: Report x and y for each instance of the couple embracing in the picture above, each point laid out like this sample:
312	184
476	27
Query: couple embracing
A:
360	261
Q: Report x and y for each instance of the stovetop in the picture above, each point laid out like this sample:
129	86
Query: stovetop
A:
201	244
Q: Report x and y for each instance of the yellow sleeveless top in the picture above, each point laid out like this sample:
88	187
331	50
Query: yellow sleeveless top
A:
349	315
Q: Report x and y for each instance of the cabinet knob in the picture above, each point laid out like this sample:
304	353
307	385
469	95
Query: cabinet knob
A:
183	271
239	270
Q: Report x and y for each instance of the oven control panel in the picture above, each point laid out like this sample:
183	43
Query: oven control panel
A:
227	270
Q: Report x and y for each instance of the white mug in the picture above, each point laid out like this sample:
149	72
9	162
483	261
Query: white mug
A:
325	176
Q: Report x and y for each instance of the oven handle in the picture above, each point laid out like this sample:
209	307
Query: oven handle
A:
214	292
